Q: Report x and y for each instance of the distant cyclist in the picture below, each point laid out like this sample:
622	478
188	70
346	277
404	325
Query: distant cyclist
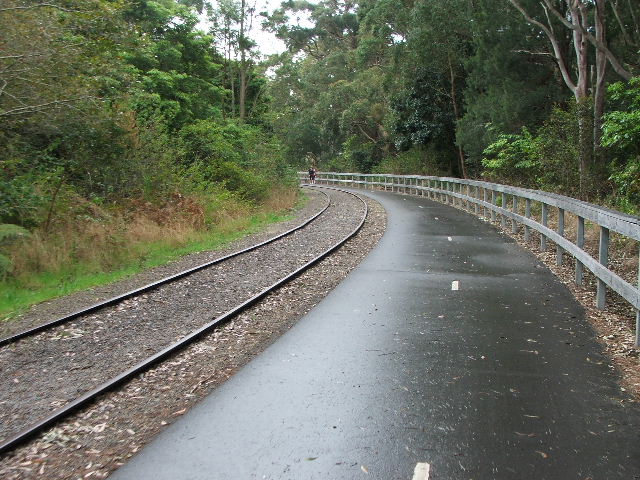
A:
312	175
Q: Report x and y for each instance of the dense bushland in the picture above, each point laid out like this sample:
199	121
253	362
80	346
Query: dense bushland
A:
122	139
538	94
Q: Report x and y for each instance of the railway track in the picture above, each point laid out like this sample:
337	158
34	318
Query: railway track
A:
55	369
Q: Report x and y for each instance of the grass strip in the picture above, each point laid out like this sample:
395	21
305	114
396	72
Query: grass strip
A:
16	298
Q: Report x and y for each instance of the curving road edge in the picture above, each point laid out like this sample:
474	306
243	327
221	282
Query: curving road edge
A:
449	346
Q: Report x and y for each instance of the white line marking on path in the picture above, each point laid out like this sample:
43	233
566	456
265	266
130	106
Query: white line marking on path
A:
455	285
421	472
449	238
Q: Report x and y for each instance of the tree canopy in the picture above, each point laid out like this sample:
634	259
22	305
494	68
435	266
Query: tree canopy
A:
440	87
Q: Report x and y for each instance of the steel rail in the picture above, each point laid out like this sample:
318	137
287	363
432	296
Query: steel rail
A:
88	397
115	300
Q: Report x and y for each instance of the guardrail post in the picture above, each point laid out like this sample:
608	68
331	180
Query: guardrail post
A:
561	233
477	197
494	201
503	218
527	213
514	224
638	311
580	244
603	258
473	204
543	238
467	189
484	198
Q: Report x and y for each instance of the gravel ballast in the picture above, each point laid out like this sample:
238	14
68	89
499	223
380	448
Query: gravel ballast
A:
98	438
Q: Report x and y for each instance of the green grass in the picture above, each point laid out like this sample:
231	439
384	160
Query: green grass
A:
15	298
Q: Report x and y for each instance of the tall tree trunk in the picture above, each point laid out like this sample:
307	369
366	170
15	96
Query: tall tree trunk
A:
585	133
599	89
54	197
242	94
456	114
232	78
585	143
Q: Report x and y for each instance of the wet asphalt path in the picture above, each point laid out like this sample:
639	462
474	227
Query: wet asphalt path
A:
500	379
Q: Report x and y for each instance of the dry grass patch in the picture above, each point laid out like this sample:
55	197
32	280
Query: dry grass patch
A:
93	246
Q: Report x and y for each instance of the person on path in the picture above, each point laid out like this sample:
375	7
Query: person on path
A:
312	175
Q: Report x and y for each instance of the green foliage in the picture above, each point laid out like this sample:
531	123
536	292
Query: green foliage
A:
419	160
621	129
9	233
203	176
545	160
621	133
234	156
507	87
626	179
19	200
514	157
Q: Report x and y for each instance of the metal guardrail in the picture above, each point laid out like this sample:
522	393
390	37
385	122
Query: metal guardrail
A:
504	201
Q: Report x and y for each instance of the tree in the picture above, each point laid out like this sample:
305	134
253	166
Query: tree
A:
587	23
232	22
439	41
510	81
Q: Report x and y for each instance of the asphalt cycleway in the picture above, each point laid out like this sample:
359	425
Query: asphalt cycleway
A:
449	345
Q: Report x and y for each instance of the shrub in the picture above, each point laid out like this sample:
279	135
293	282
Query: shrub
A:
415	161
546	160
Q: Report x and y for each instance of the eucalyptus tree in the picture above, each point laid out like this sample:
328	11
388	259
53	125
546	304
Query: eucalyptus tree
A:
586	23
511	81
315	80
